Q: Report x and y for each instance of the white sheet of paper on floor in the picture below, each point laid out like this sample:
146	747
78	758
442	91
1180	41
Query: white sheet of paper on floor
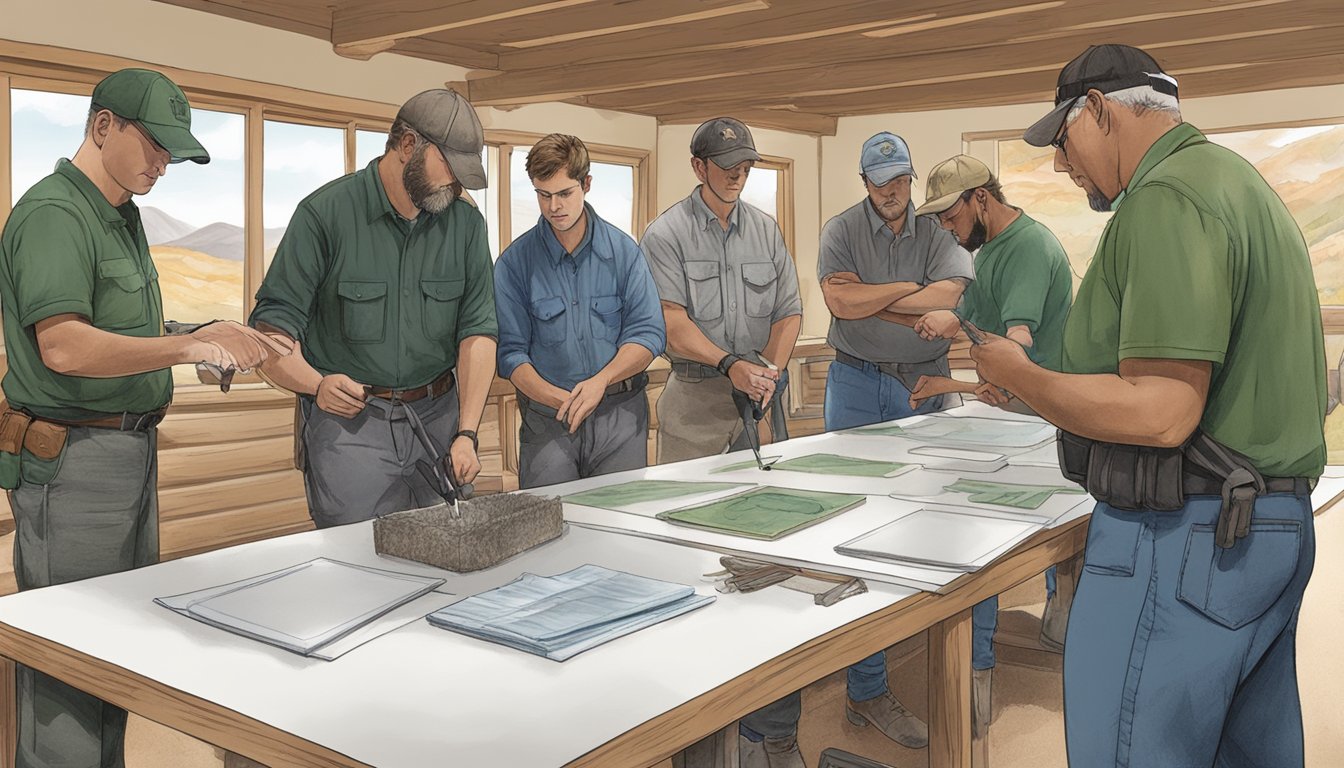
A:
942	537
306	606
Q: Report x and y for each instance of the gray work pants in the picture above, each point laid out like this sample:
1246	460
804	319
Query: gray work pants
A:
613	438
357	469
698	418
91	511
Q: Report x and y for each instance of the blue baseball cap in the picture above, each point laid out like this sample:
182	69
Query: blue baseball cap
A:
884	157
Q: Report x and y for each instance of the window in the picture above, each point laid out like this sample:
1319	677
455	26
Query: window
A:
45	127
770	188
298	160
762	190
369	145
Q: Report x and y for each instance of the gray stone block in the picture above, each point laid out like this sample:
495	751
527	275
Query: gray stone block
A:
490	530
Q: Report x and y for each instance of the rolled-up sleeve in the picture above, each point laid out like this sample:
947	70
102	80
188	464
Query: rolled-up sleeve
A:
511	310
947	259
642	316
834	254
288	293
665	262
476	313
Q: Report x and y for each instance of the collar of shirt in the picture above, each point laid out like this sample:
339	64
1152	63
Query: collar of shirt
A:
708	217
556	251
877	223
1181	136
117	216
376	201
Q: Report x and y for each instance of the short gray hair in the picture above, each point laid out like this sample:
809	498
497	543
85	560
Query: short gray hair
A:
1139	99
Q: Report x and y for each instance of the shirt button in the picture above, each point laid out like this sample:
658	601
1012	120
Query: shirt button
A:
405	292
575	302
733	305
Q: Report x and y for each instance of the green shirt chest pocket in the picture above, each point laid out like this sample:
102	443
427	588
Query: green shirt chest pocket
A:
442	298
119	296
363	311
761	281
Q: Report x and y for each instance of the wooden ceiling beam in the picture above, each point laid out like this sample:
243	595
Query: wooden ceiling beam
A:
962	28
275	16
781	119
357	24
1171	47
616	17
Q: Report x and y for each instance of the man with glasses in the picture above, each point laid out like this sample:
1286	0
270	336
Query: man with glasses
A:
1022	290
1190	405
89	380
878	263
579	322
383	279
729	294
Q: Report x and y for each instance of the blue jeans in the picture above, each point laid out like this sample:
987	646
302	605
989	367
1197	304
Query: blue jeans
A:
857	397
1181	653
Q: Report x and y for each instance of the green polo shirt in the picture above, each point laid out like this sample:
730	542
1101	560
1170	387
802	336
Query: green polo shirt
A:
66	250
383	300
1022	277
1202	261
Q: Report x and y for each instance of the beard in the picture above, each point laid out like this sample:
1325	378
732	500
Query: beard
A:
1099	202
425	195
977	237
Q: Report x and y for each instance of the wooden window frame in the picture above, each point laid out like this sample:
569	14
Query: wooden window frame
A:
783	197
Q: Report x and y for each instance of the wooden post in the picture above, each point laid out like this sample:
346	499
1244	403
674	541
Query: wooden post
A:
950	692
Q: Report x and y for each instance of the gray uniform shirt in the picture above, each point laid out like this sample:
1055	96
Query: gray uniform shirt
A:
859	241
734	284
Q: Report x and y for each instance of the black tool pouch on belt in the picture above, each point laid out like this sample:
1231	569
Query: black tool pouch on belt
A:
1128	477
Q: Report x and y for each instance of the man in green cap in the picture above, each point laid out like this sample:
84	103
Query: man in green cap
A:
88	381
384	279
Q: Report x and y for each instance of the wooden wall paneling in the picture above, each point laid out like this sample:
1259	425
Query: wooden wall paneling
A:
205	496
192	535
222	461
191	429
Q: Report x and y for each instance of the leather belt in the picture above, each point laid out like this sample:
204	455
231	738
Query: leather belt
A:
436	388
1198	485
690	371
123	422
638	381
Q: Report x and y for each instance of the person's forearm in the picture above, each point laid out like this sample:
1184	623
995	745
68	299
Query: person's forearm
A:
75	348
535	388
783	337
898	317
1108	407
475	373
630	359
291	372
852	300
928	298
686	340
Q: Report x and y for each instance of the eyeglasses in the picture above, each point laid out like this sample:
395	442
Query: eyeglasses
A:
563	194
1059	142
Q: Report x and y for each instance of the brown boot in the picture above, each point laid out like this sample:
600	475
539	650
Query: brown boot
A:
891	718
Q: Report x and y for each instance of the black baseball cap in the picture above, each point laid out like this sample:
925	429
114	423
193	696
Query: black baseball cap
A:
1105	68
725	141
157	104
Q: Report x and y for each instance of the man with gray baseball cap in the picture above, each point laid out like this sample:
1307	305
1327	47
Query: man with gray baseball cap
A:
384	280
878	262
729	294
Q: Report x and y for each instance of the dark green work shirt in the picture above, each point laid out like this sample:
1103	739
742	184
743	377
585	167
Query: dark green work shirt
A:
67	250
371	295
1202	261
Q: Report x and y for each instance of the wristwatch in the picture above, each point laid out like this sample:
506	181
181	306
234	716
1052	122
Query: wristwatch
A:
727	362
471	435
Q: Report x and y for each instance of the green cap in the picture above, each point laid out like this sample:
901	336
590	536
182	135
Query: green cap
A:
157	104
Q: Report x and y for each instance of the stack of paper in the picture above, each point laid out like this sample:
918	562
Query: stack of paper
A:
642	491
942	537
828	464
969	430
561	616
305	607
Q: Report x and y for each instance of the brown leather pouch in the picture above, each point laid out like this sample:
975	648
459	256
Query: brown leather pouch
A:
13	426
45	440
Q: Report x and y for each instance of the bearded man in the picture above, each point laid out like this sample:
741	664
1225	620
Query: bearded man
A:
384	281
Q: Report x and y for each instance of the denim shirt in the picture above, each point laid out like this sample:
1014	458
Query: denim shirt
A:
568	313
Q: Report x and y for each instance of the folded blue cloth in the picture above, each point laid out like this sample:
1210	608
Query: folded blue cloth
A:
563	615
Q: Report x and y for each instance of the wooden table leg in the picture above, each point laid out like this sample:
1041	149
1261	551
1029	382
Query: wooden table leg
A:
950	692
9	713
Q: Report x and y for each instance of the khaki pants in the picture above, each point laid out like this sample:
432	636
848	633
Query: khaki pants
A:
699	418
91	511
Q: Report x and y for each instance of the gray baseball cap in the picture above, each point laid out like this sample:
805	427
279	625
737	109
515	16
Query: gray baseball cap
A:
447	119
725	141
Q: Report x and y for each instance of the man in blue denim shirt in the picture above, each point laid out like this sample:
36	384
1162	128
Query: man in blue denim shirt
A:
579	322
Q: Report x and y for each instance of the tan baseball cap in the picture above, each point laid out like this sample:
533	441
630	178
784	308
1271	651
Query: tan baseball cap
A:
949	179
